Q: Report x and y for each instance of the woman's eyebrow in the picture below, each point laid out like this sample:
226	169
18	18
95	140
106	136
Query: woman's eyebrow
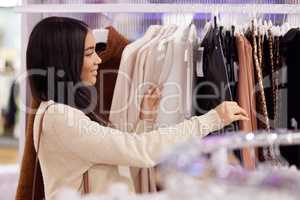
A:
89	48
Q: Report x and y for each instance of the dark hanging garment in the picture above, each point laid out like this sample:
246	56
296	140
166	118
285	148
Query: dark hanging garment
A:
230	57
110	54
101	46
214	87
290	48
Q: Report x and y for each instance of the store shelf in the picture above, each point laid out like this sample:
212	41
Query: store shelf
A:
159	8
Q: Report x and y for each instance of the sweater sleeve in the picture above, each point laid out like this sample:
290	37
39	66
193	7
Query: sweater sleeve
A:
103	145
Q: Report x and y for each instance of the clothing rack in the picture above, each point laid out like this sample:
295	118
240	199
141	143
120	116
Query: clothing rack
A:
219	146
32	11
160	8
242	140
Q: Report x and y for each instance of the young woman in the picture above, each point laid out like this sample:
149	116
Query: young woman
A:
63	64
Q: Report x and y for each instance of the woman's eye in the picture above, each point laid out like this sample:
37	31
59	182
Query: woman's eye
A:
91	53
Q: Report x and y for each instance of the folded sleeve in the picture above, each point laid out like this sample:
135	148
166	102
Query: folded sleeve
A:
103	145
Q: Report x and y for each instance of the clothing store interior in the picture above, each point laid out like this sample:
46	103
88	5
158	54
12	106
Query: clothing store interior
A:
200	53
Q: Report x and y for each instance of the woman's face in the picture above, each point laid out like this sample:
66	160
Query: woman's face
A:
90	62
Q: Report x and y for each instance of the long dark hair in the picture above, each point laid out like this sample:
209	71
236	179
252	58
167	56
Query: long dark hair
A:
54	60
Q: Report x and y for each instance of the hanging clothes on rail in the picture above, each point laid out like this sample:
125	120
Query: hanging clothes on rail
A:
290	48
214	87
121	116
121	99
278	120
261	105
141	80
108	70
273	68
164	65
191	60
269	74
163	57
157	67
230	53
246	93
176	100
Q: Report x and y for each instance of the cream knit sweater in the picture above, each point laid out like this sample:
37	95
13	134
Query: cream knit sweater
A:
71	144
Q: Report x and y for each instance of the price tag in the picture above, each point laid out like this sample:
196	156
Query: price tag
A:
199	64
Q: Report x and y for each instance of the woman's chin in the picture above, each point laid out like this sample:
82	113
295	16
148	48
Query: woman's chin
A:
91	82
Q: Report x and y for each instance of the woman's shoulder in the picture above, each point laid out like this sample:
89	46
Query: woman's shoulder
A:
56	107
59	111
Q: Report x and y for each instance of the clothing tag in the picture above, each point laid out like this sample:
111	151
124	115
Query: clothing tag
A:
199	64
236	71
294	123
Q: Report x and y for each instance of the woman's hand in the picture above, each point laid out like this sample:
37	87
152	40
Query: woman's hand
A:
230	111
150	104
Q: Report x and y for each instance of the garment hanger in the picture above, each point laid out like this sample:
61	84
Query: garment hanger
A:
255	25
215	12
286	26
182	24
207	26
215	22
260	25
152	30
270	24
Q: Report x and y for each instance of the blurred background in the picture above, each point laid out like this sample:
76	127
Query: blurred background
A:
10	58
10	62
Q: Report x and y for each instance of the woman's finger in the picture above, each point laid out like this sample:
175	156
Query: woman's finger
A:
157	102
239	110
240	117
232	103
151	89
157	91
156	94
160	87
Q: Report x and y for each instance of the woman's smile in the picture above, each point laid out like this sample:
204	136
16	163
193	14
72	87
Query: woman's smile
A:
94	72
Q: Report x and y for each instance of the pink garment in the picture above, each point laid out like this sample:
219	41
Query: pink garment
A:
118	113
140	81
246	93
122	98
149	67
161	61
168	64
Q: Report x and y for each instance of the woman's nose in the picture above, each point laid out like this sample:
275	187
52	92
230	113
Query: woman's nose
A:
98	60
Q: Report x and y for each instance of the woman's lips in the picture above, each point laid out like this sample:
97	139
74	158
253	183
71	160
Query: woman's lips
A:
95	72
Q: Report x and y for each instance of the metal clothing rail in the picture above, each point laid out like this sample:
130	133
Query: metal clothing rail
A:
160	8
238	141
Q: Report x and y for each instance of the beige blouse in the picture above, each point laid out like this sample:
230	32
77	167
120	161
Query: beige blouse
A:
71	144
